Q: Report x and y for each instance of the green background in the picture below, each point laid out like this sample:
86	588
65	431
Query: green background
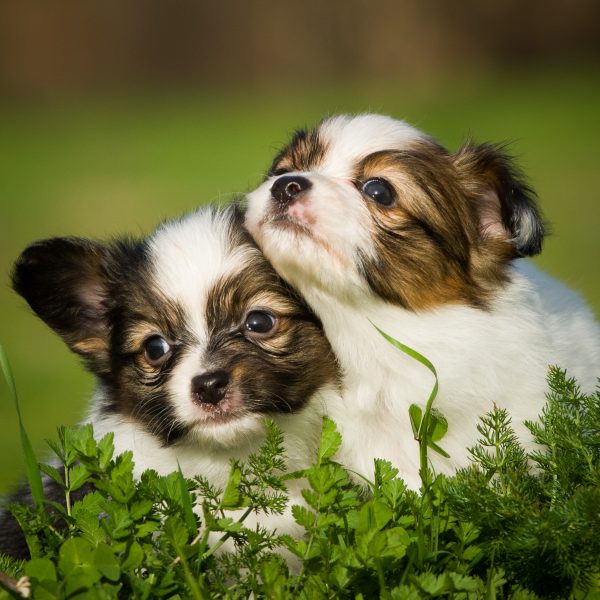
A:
120	164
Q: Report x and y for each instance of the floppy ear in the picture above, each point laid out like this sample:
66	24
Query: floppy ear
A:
65	281
505	203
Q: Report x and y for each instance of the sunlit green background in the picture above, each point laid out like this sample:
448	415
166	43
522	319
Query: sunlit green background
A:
118	161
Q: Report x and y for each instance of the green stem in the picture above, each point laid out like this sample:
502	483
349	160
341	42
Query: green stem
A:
197	592
424	426
225	537
423	433
67	490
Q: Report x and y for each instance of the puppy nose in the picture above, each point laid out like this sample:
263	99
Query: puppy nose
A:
210	388
289	187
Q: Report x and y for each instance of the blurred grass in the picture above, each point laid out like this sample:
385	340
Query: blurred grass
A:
102	166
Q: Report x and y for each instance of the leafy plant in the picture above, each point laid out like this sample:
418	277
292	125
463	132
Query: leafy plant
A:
512	525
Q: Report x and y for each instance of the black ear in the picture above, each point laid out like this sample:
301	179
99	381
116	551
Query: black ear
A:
505	203
65	281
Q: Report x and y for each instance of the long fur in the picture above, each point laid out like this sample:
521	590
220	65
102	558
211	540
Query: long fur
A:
193	282
437	267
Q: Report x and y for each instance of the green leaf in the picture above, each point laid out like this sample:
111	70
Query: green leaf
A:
373	515
34	476
274	577
464	583
140	509
118	525
75	553
85	513
437	449
41	569
303	516
228	524
415	413
54	474
77	477
330	440
186	503
438	425
396	542
106	562
232	496
76	562
133	557
106	450
435	585
176	531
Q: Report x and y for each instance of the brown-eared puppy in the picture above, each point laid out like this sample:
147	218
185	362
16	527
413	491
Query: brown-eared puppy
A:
193	338
376	223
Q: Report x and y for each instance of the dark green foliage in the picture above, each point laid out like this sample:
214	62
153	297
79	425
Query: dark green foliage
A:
543	524
510	526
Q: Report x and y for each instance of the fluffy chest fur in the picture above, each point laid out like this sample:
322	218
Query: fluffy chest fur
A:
483	358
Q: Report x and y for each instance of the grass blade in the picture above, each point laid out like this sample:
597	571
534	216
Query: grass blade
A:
186	503
408	350
423	435
31	464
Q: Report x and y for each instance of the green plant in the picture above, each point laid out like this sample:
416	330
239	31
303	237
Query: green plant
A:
510	526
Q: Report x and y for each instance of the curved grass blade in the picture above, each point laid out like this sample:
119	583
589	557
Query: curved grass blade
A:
423	434
34	475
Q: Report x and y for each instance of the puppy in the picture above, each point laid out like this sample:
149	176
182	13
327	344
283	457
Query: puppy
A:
193	339
375	223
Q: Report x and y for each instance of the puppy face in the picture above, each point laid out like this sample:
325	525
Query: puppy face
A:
369	205
190	332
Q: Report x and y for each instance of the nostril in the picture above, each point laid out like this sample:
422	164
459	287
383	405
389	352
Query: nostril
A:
210	387
293	188
288	187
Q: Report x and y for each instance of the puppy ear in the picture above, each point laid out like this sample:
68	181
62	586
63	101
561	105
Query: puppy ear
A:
65	281
505	203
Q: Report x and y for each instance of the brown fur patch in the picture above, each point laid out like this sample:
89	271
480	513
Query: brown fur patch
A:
305	151
434	245
278	371
102	300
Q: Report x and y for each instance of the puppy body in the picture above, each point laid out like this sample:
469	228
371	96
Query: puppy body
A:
376	224
193	339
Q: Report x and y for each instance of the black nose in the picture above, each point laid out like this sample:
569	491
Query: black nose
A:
288	187
210	387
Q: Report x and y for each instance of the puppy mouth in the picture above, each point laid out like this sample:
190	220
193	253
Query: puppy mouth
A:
290	223
301	230
295	217
228	409
217	416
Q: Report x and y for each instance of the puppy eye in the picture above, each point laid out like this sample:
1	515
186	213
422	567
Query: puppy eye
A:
259	321
156	350
380	191
278	172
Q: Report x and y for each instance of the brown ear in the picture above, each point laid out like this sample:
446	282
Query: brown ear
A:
65	281
506	204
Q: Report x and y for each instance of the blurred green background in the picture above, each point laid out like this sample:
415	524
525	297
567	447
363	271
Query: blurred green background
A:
115	116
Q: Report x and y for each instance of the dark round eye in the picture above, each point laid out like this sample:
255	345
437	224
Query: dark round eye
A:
259	321
380	191
156	349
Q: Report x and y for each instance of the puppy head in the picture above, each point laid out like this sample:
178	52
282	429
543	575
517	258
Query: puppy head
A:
190	331
369	205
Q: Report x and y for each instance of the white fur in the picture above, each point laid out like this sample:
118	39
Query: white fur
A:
200	457
500	356
188	257
351	138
